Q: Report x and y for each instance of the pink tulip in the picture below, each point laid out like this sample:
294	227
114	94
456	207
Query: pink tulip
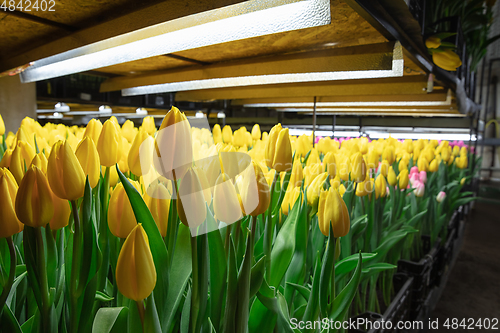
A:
440	197
419	188
414	177
414	170
423	177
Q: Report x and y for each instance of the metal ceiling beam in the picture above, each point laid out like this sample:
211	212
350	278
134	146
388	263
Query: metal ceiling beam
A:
366	61
412	85
431	97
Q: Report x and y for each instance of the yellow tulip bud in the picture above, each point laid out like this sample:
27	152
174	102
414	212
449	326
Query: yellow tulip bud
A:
40	161
297	175
343	167
256	132
159	205
332	212
270	176
342	190
121	218
310	172
364	188
358	168
65	174
226	203
384	168
391	177
21	159
135	269
423	164
463	151
191	204
403	179
433	42
380	186
254	189
34	205
279	149
174	148
330	164
402	165
217	134
128	130
462	181
5	161
87	155
227	134
433	166
93	129
313	157
10	224
289	200
408	146
447	60
372	159
313	190
2	126
108	144
135	155
62	211
388	154
461	162
335	182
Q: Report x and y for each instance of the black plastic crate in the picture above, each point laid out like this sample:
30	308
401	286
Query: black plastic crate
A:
445	255
454	224
424	273
398	310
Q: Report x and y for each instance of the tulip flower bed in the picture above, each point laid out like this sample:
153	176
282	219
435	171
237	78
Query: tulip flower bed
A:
113	228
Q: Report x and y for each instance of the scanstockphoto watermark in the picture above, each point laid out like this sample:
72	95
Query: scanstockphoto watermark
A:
354	324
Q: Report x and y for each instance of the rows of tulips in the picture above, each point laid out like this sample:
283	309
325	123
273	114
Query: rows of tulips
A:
96	233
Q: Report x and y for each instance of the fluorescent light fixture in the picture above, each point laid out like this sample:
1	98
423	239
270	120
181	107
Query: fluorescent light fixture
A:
199	114
105	109
61	107
221	115
354	110
141	111
300	131
246	20
425	136
346	104
250	80
57	115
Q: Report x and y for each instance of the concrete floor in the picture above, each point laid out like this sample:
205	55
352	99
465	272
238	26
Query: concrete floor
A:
473	288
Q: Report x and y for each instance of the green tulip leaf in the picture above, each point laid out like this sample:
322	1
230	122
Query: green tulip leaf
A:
9	321
151	320
257	276
111	320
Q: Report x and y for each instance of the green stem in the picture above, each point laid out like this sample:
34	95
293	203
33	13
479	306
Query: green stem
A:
268	232
195	298
44	286
12	273
141	310
75	267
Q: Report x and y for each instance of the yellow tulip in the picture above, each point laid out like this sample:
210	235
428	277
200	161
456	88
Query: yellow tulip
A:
461	162
290	198
433	166
380	186
313	190
330	164
342	190
93	129
402	165
463	151
62	211
388	154
158	202
462	181
343	167
34	205
313	157
21	159
270	176
279	149
87	155
254	189
256	132
227	134
121	218
391	177
423	164
226	204
128	130
2	126
384	168
332	212
433	42
408	146
447	60
174	148
372	159
10	224
335	182
403	179
217	134
302	145
358	168
135	269
191	204
5	161
65	174
134	155
40	161
108	144
297	175
364	188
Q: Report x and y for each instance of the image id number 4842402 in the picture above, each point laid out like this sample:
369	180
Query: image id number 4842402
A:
28	5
